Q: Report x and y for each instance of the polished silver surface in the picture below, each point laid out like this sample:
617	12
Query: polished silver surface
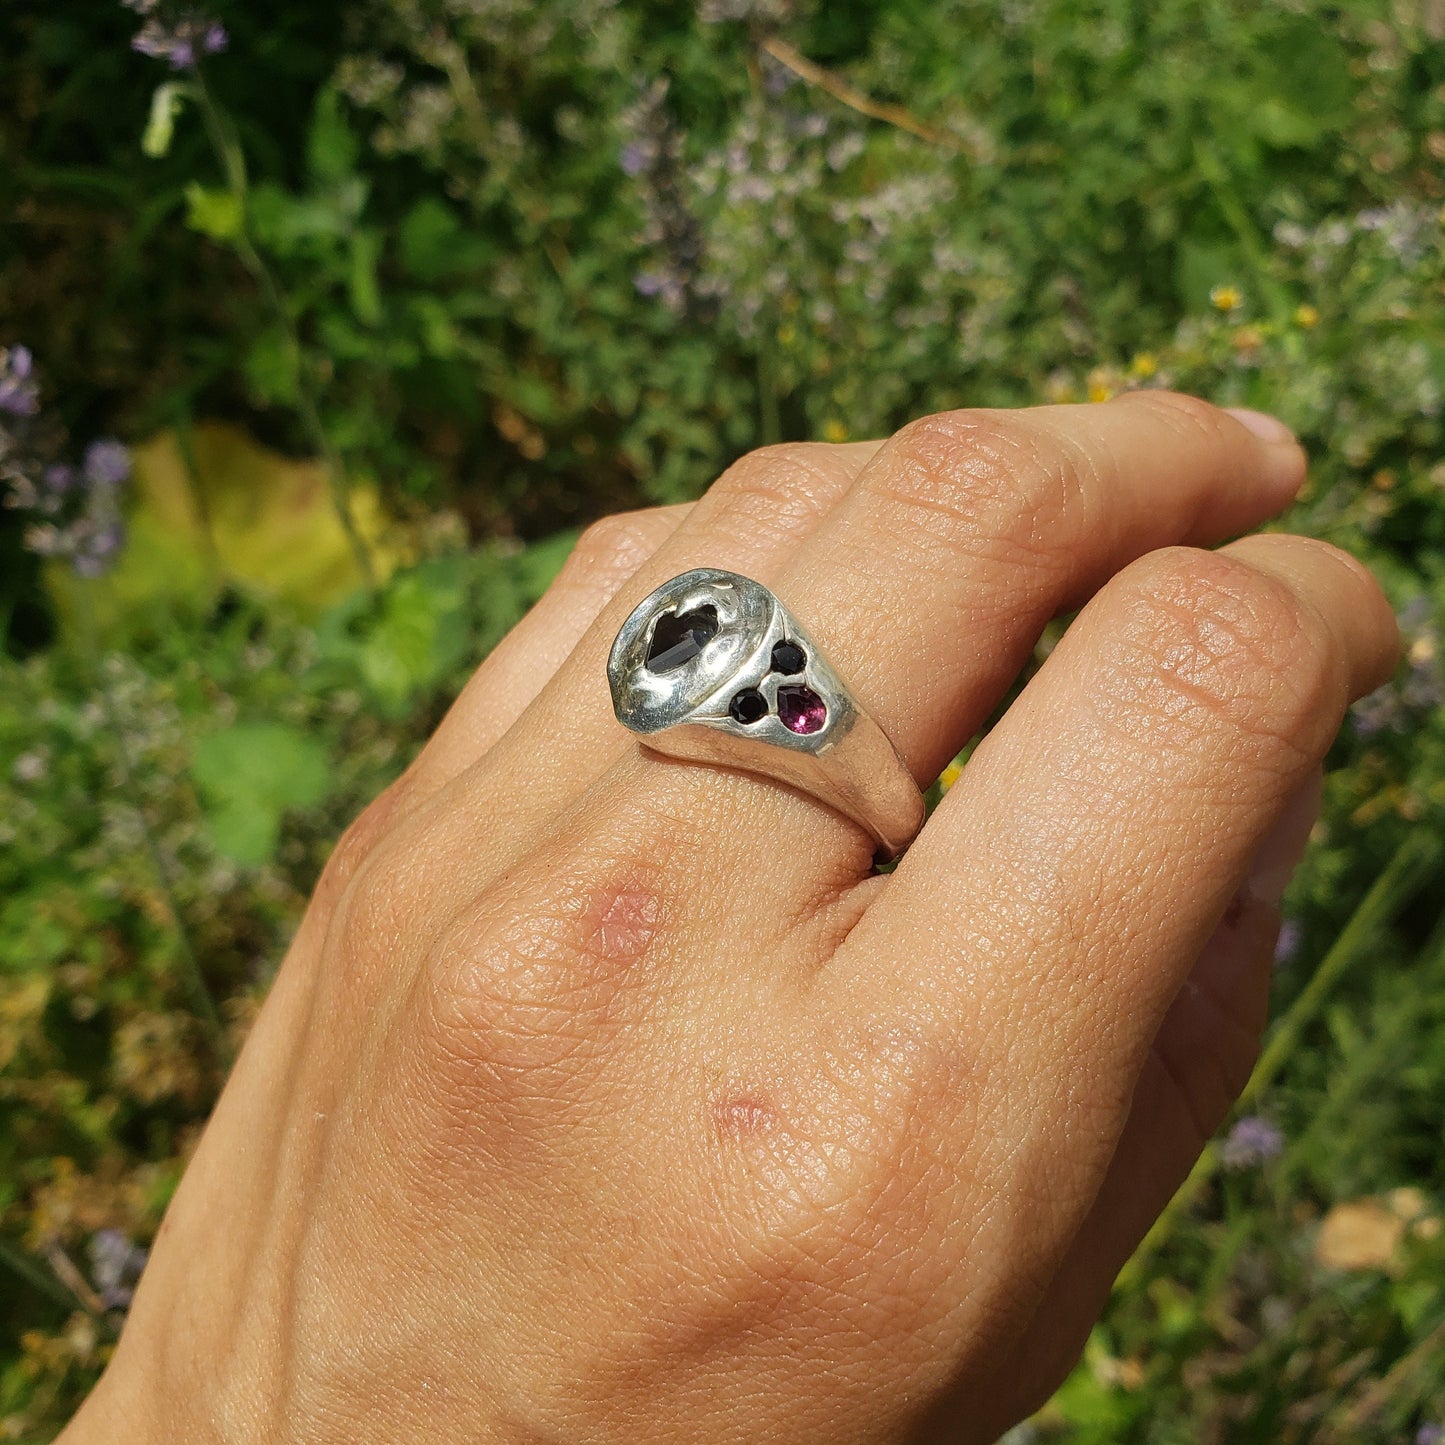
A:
712	668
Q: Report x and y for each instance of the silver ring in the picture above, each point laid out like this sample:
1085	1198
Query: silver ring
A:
714	669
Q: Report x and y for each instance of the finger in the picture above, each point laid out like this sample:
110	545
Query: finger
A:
605	557
499	690
933	579
751	520
1047	915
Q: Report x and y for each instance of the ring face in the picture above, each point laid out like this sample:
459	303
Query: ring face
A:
712	668
713	649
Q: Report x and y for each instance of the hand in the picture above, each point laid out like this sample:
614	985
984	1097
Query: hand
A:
608	1098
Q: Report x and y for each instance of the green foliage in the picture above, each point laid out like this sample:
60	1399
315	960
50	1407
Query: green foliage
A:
516	264
249	775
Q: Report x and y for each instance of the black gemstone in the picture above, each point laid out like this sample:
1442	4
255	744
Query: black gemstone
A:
789	659
679	637
748	707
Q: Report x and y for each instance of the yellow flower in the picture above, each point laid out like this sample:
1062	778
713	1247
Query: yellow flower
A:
1307	317
1144	365
1226	298
787	334
834	431
950	775
1104	383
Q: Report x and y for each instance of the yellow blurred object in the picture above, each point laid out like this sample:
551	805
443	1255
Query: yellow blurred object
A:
226	509
1358	1235
1144	365
1307	317
1226	298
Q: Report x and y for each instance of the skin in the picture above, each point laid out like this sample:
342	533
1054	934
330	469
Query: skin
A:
611	1098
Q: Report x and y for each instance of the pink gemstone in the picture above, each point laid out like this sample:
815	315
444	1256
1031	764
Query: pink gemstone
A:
801	710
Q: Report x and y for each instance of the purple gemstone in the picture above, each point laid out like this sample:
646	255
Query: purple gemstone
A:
801	710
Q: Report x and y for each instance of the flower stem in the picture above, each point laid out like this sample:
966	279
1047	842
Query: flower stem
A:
233	164
1415	858
40	1280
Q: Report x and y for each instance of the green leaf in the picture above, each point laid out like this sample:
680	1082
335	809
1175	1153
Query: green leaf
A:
332	149
1202	263
216	213
271	367
160	128
248	776
434	244
365	292
429	233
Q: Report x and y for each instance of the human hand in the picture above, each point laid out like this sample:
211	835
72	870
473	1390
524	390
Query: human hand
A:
605	1097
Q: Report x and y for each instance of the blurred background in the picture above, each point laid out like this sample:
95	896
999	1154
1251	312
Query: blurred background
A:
323	328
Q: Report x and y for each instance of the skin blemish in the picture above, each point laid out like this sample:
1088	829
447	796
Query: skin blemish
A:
622	924
747	1116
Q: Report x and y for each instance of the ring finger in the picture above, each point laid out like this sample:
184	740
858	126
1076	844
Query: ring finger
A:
932	578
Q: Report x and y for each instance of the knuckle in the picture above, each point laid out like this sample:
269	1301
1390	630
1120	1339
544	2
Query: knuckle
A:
781	488
536	980
1190	417
614	547
360	841
1223	641
979	478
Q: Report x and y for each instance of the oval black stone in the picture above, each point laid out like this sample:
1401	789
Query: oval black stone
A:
678	637
748	707
789	659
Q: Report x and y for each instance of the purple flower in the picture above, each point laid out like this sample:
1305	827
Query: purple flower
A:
96	548
648	283
116	1262
1430	1435
633	159
182	41
1253	1141
107	463
1288	942
19	395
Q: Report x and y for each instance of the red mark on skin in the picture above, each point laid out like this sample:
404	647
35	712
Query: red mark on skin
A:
745	1117
623	924
1234	912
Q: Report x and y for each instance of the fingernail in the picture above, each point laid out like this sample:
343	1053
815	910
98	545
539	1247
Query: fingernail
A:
1267	428
1276	858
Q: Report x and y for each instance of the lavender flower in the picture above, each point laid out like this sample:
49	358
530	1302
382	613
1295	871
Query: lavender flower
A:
653	155
180	38
107	463
1430	1435
1288	942
116	1262
18	395
74	510
1253	1141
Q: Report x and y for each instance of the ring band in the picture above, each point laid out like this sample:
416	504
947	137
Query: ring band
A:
712	668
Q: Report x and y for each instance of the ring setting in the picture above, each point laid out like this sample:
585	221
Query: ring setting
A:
711	667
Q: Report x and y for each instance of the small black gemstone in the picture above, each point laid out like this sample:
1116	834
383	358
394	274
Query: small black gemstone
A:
789	659
748	707
679	637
